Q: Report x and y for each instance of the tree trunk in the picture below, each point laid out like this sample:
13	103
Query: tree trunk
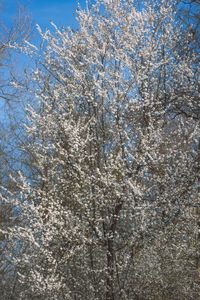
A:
110	269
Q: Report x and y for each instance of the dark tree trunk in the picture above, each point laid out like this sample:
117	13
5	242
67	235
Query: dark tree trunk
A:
110	269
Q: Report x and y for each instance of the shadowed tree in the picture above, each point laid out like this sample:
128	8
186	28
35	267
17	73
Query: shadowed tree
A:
9	35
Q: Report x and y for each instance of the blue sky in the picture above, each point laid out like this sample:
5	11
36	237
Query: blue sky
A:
61	12
42	12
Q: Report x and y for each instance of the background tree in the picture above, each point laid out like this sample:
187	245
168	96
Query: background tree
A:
9	153
189	12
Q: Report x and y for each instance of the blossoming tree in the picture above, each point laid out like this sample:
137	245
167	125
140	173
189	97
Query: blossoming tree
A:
115	143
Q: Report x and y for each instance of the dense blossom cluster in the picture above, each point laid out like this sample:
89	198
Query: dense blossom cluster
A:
115	139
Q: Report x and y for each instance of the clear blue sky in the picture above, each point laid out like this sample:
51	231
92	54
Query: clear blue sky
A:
61	12
42	12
